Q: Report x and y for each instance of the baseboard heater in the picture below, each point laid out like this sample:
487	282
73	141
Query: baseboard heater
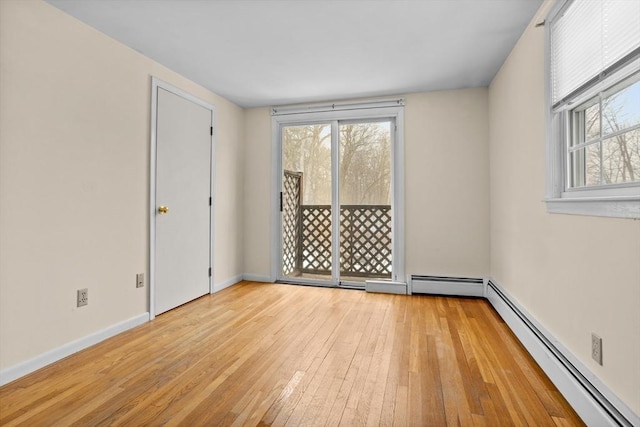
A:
587	399
438	285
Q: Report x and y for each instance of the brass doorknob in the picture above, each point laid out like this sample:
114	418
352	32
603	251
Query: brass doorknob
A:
163	210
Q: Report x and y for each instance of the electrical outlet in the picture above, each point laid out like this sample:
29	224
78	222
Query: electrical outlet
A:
140	280
83	297
596	348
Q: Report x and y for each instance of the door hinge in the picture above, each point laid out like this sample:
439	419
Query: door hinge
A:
211	131
281	201
209	271
210	201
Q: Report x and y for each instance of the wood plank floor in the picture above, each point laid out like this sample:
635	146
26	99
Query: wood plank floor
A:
265	354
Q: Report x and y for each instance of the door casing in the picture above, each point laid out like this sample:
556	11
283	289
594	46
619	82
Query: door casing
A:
155	85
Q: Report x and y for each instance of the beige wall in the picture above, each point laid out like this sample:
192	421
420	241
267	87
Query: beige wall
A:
446	185
257	193
74	168
574	274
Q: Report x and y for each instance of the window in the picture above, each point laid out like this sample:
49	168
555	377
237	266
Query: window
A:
605	140
594	108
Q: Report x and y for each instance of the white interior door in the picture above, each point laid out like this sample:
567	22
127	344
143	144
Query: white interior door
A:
182	201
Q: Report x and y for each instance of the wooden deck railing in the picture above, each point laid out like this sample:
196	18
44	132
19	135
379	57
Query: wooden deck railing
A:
365	240
365	236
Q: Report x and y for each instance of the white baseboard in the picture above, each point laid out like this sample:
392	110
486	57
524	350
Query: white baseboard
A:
217	287
594	402
257	278
14	372
386	286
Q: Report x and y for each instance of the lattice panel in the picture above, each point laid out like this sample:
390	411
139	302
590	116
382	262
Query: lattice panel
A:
291	221
365	240
316	238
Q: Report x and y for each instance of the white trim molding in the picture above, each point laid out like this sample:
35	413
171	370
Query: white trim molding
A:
14	372
585	392
217	287
628	207
336	106
386	287
257	278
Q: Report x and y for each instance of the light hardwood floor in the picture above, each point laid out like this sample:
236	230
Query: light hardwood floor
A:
265	354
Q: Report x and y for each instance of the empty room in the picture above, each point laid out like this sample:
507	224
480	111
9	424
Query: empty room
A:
320	212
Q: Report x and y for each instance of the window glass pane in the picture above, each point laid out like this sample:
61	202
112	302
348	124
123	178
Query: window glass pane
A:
306	201
621	158
365	163
585	166
621	110
592	122
365	201
307	150
586	122
592	154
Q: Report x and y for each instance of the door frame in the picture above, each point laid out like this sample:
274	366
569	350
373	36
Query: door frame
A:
349	112
157	84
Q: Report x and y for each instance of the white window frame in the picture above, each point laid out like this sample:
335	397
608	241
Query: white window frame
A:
341	112
621	201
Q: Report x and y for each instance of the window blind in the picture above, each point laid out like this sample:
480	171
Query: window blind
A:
588	38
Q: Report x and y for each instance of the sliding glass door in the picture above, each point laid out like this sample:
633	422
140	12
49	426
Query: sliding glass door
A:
336	185
366	244
306	202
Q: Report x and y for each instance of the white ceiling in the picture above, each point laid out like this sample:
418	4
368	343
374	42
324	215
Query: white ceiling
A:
274	52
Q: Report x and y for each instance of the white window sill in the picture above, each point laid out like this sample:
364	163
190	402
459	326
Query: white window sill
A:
615	207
